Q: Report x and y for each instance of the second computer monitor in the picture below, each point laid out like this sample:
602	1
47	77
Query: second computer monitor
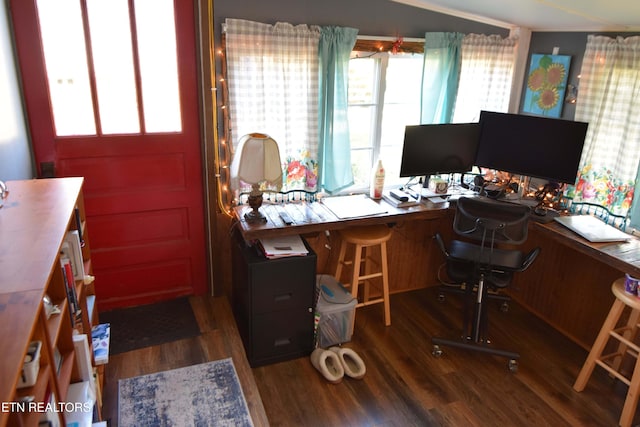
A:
536	146
439	149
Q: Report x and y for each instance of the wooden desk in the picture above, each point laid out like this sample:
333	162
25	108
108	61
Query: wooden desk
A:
624	256
412	239
314	217
569	285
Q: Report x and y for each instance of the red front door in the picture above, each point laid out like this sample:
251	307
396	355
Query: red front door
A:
114	99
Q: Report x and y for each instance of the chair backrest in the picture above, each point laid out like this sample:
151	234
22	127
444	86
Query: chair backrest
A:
490	221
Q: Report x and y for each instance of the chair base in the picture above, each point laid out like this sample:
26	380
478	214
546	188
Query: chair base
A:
475	325
482	347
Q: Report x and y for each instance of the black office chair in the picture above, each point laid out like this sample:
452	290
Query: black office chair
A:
484	266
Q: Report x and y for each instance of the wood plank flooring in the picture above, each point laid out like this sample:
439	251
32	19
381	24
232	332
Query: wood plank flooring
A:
404	385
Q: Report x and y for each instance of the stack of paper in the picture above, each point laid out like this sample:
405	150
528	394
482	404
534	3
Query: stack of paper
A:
354	206
283	246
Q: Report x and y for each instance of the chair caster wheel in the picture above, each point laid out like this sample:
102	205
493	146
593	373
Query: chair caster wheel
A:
504	307
513	365
436	352
441	297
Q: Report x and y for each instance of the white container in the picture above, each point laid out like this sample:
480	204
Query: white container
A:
335	310
31	365
377	181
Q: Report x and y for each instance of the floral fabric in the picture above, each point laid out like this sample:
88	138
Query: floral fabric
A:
600	186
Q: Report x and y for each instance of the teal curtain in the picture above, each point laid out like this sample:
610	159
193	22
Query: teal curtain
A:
336	44
440	76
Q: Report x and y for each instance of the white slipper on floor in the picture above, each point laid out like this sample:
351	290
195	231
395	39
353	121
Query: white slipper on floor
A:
351	362
328	364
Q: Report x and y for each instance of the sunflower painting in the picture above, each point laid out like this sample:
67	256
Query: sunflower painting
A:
546	83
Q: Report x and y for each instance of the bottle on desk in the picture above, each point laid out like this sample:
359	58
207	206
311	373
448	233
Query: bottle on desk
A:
377	181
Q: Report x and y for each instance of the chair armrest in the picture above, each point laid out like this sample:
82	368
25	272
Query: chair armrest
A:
438	238
528	260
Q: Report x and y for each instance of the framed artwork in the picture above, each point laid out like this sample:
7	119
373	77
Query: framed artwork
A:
546	84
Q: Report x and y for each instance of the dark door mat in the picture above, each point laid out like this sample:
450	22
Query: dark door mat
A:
148	325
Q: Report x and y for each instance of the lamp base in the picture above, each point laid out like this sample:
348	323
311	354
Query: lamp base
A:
255	217
255	201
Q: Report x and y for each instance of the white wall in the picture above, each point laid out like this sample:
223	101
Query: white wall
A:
15	152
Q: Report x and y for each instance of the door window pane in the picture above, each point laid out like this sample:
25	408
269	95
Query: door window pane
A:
113	65
158	65
66	62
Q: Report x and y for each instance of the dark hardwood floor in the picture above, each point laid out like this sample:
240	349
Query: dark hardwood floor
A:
405	385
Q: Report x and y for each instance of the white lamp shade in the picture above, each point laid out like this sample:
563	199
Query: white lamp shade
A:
257	159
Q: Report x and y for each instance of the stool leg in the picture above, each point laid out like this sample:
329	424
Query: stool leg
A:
343	251
598	346
630	334
355	274
630	403
385	283
366	254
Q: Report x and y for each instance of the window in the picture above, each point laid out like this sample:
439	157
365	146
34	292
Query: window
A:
384	94
118	86
384	97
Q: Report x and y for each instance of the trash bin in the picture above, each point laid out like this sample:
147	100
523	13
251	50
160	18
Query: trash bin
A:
335	312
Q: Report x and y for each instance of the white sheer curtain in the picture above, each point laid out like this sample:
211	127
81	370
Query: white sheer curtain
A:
485	76
609	100
272	79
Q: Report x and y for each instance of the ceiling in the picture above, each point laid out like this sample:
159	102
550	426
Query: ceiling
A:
543	15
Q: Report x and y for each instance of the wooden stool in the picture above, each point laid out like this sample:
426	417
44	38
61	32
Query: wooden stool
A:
364	238
625	335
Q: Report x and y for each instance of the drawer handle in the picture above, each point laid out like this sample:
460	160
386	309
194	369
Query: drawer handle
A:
281	342
282	297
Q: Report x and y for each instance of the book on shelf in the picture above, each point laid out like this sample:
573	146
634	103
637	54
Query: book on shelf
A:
283	246
100	341
57	358
79	225
70	286
72	249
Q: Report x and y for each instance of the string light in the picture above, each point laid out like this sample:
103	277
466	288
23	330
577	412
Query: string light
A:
224	155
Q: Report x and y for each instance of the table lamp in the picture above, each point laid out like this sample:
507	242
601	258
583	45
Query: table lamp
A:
257	161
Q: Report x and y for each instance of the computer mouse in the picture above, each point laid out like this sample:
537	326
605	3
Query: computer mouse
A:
540	211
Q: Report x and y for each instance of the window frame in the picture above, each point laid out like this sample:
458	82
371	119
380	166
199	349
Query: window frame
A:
383	58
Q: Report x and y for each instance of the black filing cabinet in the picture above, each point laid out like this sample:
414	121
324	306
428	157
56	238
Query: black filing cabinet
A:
272	301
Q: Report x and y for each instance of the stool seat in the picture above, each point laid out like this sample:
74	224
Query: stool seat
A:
628	299
367	235
363	238
612	362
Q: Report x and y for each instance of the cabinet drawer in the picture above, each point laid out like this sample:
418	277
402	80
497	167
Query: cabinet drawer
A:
283	296
283	284
281	336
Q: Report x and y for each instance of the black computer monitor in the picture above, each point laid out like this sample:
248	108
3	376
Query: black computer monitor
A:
440	148
535	146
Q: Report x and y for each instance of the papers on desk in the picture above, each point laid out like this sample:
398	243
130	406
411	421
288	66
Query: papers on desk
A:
355	206
592	228
283	246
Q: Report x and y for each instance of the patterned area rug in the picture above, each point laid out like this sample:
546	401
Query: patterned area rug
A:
151	324
208	394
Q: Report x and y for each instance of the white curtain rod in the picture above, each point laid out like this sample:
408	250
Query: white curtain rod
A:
391	39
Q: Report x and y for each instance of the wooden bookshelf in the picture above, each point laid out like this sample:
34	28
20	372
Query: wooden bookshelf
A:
33	223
